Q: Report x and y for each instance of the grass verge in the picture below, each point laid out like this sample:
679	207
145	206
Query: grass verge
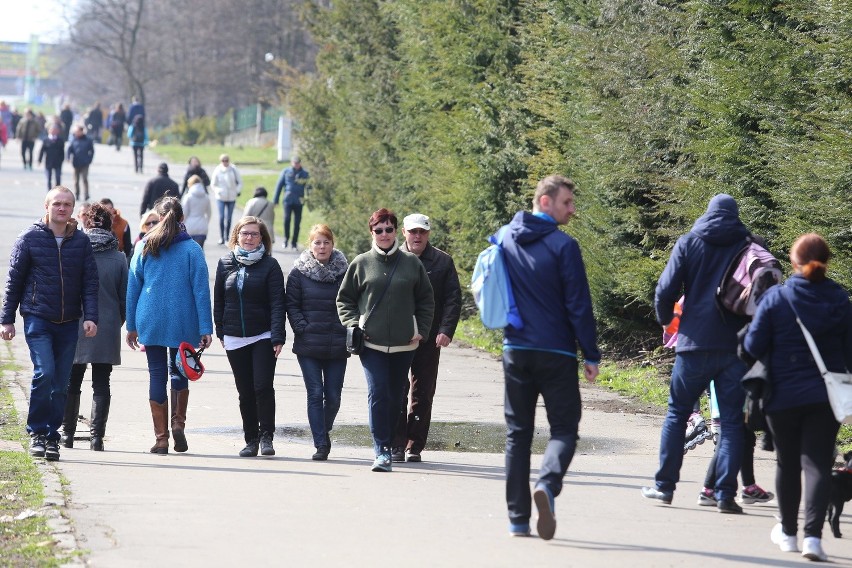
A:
25	539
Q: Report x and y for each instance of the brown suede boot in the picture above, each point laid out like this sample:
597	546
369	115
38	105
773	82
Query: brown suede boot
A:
180	400
160	414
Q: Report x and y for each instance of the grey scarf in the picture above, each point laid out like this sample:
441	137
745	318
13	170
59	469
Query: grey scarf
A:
313	269
102	239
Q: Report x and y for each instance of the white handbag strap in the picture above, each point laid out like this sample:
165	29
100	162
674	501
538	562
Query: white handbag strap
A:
808	337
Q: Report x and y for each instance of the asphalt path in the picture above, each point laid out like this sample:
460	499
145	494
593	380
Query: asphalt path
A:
208	507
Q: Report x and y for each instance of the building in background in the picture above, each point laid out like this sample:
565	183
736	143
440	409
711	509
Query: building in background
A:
28	71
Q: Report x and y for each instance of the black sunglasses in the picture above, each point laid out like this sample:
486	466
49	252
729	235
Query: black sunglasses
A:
385	230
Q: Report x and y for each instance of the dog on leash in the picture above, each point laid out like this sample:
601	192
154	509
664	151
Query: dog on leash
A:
841	492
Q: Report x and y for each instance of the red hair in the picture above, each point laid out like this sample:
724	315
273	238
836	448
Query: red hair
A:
383	216
810	253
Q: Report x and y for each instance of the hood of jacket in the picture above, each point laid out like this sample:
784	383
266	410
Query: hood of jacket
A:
197	190
720	225
527	227
822	306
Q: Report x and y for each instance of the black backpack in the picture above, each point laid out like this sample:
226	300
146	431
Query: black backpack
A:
139	135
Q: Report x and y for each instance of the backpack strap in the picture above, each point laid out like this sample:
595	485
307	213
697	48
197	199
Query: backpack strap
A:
514	316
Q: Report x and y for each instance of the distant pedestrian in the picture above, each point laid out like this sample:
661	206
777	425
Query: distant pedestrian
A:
53	277
159	186
81	152
412	428
95	122
541	356
137	134
168	302
386	293
250	309
27	132
293	181
104	350
227	185
6	117
194	169
135	109
67	117
320	342
53	154
4	136
196	211
259	206
117	119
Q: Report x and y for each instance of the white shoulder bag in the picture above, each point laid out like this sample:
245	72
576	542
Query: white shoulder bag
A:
838	385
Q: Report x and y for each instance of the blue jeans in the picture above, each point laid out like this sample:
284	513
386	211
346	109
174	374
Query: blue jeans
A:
226	211
387	381
294	209
323	393
52	347
691	375
528	374
161	367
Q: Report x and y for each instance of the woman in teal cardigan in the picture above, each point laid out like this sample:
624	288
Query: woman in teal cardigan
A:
168	302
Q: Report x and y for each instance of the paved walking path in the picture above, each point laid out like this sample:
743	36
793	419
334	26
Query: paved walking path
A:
209	507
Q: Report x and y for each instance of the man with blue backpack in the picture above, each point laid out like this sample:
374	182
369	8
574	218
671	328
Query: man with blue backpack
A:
548	281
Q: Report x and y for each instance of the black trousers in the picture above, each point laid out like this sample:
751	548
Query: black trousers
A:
254	371
412	428
804	441
137	157
27	148
100	378
747	467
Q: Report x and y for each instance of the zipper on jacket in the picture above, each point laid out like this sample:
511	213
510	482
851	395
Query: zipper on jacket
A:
240	294
61	282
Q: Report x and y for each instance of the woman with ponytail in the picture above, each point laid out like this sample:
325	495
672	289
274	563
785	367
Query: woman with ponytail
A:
797	408
168	302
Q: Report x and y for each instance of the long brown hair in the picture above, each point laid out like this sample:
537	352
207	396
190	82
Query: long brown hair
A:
164	232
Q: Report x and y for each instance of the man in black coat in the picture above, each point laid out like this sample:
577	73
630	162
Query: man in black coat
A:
81	151
157	188
413	425
53	154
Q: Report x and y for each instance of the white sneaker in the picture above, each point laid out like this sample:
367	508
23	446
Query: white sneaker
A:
785	542
812	549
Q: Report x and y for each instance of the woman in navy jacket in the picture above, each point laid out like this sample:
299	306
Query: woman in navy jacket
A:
320	344
249	310
797	410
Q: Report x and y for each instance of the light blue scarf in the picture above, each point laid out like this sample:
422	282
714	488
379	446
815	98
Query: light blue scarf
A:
246	258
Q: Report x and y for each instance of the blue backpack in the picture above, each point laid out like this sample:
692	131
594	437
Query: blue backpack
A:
492	289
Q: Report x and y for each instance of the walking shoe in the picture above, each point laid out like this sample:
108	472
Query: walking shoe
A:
250	450
706	498
382	463
37	446
398	455
546	525
651	493
812	549
787	543
413	456
729	506
51	450
521	529
321	454
755	494
266	448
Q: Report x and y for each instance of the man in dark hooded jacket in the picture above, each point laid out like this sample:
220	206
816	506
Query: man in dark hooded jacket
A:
706	348
549	282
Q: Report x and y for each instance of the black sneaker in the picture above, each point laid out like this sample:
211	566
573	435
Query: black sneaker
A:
729	506
250	450
51	450
321	454
414	456
266	448
398	455
37	446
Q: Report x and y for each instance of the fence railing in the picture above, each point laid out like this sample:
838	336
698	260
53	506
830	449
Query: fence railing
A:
250	117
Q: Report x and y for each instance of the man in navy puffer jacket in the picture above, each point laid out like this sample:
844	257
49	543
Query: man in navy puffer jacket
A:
706	347
54	279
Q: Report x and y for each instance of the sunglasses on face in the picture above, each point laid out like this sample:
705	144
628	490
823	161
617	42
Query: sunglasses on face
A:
380	230
151	223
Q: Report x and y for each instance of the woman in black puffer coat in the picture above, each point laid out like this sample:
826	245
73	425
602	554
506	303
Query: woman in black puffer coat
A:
320	344
249	311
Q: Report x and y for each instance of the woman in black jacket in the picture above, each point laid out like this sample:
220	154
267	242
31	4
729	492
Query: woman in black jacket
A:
194	169
249	308
320	344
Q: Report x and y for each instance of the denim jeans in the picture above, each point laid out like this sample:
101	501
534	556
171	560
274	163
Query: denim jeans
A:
527	374
52	347
226	211
324	383
691	375
296	210
161	367
387	379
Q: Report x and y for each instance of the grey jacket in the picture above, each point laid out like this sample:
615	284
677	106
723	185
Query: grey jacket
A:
105	347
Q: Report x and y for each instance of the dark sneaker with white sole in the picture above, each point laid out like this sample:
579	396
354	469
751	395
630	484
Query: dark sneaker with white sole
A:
37	446
663	496
51	450
546	525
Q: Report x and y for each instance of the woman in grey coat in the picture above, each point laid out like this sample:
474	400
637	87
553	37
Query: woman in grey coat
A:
104	349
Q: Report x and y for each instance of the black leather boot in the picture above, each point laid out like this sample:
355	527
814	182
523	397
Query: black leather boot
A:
69	420
100	413
266	448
